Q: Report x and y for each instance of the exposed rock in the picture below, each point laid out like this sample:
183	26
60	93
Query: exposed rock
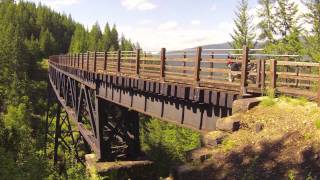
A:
231	123
243	105
140	169
199	154
259	127
212	139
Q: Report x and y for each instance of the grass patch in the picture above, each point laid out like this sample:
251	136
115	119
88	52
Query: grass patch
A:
228	144
317	124
266	102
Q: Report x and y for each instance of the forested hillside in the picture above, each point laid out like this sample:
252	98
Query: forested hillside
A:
30	33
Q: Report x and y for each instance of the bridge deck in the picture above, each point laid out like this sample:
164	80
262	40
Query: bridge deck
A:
192	89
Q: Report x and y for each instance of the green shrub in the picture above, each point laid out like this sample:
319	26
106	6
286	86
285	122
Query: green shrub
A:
266	102
270	93
228	144
317	124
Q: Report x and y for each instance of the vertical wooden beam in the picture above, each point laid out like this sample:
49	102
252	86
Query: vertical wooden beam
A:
286	58
244	69
103	146
258	77
318	88
105	61
74	60
297	74
95	61
57	134
82	60
78	58
138	62
211	64
263	75
162	63
273	74
184	62
197	65
88	59
119	61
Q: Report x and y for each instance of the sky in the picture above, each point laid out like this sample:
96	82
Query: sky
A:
174	24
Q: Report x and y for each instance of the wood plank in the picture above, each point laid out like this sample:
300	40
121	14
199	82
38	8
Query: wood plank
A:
290	63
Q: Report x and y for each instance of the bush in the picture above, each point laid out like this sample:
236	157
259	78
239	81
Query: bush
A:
317	124
266	102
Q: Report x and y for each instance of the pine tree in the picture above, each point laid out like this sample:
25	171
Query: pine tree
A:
95	38
313	38
286	17
47	43
106	40
125	44
79	40
243	32
266	25
287	29
114	39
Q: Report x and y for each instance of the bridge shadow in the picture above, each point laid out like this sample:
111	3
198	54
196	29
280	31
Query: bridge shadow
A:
280	159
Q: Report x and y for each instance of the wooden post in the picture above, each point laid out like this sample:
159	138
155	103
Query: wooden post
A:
105	60
244	73
273	74
263	75
78	58
82	60
184	63
95	62
319	88
286	58
138	62
211	64
297	74
162	63
197	64
258	82
88	58
119	61
73	60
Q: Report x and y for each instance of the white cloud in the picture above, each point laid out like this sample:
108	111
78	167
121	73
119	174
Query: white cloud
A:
174	36
146	21
169	25
213	7
140	5
57	3
195	22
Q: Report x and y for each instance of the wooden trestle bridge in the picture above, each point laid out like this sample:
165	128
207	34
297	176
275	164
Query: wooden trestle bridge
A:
190	88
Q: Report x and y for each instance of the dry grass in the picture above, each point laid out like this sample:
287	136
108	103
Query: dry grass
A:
287	147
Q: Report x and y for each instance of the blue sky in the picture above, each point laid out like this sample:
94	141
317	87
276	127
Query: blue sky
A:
174	24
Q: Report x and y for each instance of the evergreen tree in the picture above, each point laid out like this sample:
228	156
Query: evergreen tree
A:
79	40
106	42
95	38
286	17
266	25
47	43
243	32
313	38
287	29
125	44
114	39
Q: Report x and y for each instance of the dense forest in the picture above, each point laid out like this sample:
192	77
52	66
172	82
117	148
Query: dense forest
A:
30	33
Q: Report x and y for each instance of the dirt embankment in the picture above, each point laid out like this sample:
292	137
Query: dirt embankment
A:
288	146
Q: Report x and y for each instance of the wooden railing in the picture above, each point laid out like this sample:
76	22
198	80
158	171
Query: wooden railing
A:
204	68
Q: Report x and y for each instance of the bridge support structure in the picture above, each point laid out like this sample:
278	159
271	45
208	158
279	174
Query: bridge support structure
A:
110	130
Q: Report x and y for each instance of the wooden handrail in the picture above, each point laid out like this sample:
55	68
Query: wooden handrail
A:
204	70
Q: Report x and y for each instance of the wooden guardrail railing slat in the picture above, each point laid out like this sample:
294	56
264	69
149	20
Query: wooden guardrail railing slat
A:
200	68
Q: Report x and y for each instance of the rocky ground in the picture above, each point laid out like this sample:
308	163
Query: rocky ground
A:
279	139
